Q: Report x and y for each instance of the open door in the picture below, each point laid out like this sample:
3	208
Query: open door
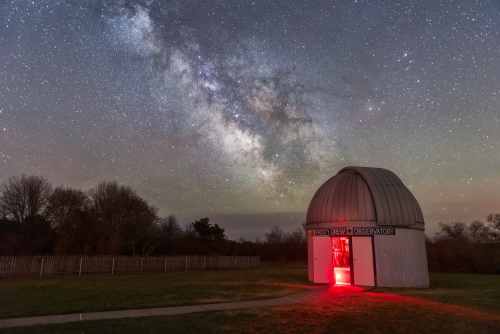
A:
362	259
341	260
323	266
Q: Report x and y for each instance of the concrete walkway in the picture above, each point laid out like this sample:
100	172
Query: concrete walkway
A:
302	297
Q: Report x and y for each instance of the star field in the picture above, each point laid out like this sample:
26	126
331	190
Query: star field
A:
213	108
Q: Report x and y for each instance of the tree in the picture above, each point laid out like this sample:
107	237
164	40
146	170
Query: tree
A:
218	233
170	234
207	231
87	233
465	248
296	237
151	241
285	246
23	200
63	209
478	232
124	217
494	221
455	230
275	235
24	196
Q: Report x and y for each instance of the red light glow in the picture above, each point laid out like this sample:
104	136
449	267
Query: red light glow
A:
341	267
342	276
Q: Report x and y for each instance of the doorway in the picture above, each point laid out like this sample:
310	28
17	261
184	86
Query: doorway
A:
341	260
352	261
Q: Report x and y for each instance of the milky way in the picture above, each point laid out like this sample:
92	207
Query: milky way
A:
212	108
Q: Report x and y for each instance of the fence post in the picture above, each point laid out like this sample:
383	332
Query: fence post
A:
113	268
220	262
186	263
165	264
80	271
203	263
235	261
141	265
41	268
248	262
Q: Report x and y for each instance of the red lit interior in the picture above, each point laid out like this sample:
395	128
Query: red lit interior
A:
341	264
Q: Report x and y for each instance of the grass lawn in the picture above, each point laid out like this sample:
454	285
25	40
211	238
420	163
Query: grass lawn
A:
91	293
453	304
363	313
478	291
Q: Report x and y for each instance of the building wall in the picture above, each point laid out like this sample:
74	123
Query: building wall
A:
401	260
310	258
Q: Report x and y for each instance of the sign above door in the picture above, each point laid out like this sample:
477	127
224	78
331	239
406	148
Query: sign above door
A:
353	231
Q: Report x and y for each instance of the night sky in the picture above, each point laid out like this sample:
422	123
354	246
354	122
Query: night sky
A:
240	110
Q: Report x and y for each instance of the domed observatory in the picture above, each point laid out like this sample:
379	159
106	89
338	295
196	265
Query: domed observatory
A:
364	227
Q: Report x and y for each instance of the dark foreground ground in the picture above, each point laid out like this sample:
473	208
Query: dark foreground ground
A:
453	304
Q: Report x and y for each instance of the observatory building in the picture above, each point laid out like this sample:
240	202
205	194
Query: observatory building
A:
364	227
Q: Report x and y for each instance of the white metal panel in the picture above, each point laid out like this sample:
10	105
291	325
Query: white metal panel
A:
390	196
310	257
401	259
365	193
323	261
362	259
365	200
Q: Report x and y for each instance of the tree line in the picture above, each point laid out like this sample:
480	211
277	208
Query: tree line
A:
112	219
466	248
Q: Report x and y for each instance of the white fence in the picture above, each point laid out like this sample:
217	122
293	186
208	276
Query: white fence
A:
53	265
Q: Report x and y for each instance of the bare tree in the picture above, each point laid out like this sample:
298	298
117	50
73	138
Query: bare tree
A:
275	235
171	234
122	214
494	221
152	240
24	196
170	226
478	232
454	230
283	246
63	207
297	236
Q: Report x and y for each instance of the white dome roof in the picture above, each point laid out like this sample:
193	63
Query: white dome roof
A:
365	194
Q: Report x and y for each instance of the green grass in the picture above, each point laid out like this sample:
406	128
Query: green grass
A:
208	322
453	304
477	291
92	293
364	313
